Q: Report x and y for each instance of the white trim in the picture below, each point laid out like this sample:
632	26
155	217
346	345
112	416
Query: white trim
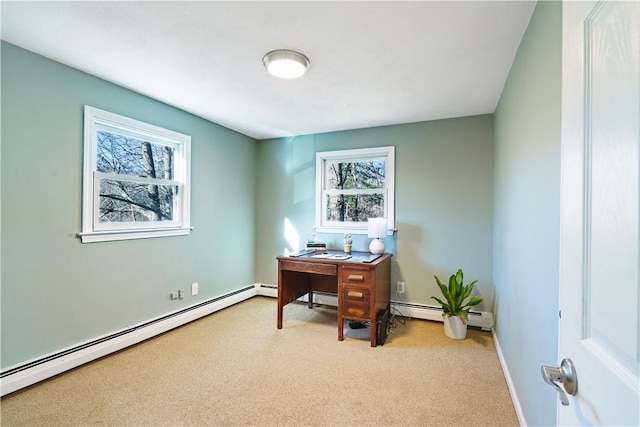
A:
361	154
108	236
507	376
266	290
349	230
94	231
39	369
137	179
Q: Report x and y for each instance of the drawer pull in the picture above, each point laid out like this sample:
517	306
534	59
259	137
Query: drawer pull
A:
358	277
355	294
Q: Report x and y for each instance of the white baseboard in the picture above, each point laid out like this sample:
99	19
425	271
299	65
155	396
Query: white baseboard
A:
33	371
510	386
267	290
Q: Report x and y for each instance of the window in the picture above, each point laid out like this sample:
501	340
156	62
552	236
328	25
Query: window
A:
136	179
353	186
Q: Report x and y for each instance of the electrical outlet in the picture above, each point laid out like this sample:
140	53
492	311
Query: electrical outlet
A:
400	288
194	288
173	295
180	295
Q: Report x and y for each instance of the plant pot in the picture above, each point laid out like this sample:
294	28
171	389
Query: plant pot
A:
454	328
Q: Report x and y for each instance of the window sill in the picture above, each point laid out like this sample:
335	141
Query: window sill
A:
348	230
109	236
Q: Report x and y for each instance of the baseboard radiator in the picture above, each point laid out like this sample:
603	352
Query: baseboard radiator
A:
33	371
480	319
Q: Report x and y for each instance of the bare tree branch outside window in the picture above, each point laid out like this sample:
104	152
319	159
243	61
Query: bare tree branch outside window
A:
350	205
126	200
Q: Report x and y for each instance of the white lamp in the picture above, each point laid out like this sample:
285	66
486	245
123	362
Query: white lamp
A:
285	64
377	228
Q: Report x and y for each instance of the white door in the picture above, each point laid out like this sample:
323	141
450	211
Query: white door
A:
600	161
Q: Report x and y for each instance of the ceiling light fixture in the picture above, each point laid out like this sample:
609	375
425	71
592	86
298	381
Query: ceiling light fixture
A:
286	64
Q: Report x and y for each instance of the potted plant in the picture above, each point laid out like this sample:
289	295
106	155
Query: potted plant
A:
454	309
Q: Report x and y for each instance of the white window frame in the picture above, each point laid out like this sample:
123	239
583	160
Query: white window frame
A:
94	231
323	159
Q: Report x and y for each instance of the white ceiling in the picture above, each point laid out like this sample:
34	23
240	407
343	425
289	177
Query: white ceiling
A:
372	63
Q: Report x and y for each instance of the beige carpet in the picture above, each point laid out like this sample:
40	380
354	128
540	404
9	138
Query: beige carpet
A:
235	368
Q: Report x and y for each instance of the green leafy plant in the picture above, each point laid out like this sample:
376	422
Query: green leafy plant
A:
455	296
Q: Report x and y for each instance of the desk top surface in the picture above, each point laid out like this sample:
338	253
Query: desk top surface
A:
334	256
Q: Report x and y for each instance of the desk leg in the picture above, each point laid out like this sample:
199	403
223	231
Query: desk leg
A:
310	297
280	296
340	326
374	330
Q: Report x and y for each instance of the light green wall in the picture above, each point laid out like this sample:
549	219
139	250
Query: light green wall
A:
444	182
527	212
57	292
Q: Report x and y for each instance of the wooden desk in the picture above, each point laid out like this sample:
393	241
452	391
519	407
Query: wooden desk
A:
363	288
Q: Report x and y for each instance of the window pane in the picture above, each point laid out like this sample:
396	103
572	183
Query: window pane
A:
122	201
355	208
356	175
130	156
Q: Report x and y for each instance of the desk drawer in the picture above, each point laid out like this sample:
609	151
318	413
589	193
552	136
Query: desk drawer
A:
309	267
356	276
360	311
355	294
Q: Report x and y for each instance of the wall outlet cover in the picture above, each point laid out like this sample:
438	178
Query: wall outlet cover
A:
400	287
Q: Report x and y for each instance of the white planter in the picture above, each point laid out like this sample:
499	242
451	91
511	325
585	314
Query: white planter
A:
454	328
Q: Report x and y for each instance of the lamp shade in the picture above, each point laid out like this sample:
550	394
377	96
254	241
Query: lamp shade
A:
377	227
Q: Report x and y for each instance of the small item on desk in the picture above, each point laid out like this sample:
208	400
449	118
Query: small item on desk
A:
316	245
331	256
321	255
370	258
347	242
301	253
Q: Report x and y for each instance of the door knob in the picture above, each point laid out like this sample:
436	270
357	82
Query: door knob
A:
565	375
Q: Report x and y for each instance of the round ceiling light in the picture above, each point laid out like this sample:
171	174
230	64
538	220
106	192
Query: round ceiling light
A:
285	64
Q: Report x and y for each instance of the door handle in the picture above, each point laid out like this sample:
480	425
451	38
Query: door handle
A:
565	375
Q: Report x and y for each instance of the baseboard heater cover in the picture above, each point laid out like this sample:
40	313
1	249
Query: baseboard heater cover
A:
31	372
481	319
266	290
